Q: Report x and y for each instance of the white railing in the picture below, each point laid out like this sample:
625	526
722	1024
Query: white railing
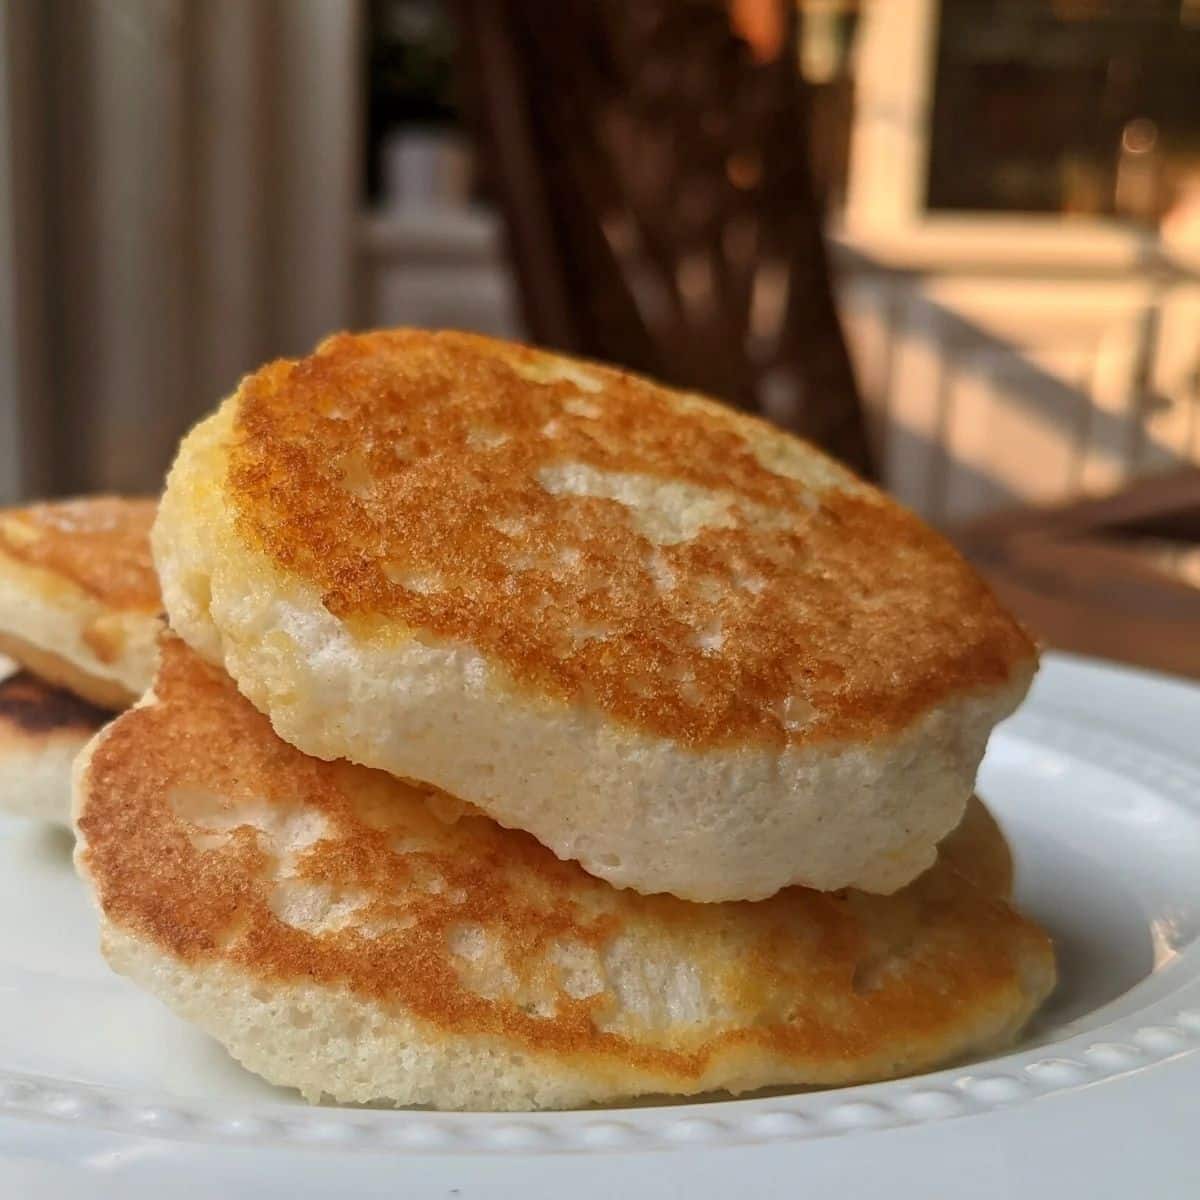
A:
1008	368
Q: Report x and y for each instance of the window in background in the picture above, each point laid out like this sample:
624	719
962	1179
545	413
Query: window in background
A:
430	245
416	154
1080	107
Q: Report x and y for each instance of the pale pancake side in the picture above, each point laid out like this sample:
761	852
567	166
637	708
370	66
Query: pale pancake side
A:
676	645
79	601
354	936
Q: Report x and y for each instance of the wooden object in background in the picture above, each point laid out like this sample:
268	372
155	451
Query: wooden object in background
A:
651	165
1117	577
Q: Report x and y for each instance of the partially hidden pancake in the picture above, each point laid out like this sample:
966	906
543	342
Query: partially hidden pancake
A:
977	850
670	641
79	602
361	938
42	729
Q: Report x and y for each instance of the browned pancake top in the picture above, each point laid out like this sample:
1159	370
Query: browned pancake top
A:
99	543
423	480
201	826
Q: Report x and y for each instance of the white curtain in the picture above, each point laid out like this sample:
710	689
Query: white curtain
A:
179	187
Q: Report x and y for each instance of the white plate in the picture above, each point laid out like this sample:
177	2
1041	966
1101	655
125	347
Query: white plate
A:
1097	782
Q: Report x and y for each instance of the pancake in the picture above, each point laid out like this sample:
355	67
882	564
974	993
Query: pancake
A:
668	640
79	603
42	729
365	939
977	850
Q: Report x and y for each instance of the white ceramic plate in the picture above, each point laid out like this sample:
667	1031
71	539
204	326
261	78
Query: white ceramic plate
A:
1097	782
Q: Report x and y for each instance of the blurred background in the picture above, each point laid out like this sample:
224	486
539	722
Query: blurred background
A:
955	241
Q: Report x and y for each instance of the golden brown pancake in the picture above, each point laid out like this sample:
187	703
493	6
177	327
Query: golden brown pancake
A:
672	642
79	599
355	936
977	850
42	729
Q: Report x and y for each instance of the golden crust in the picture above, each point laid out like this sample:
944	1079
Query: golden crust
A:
479	492
79	597
978	851
101	544
34	714
196	822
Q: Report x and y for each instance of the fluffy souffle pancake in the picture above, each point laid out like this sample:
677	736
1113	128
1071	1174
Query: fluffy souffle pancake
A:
670	641
357	937
79	602
42	729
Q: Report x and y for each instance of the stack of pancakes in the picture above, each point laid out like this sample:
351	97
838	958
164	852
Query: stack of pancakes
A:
531	735
79	619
